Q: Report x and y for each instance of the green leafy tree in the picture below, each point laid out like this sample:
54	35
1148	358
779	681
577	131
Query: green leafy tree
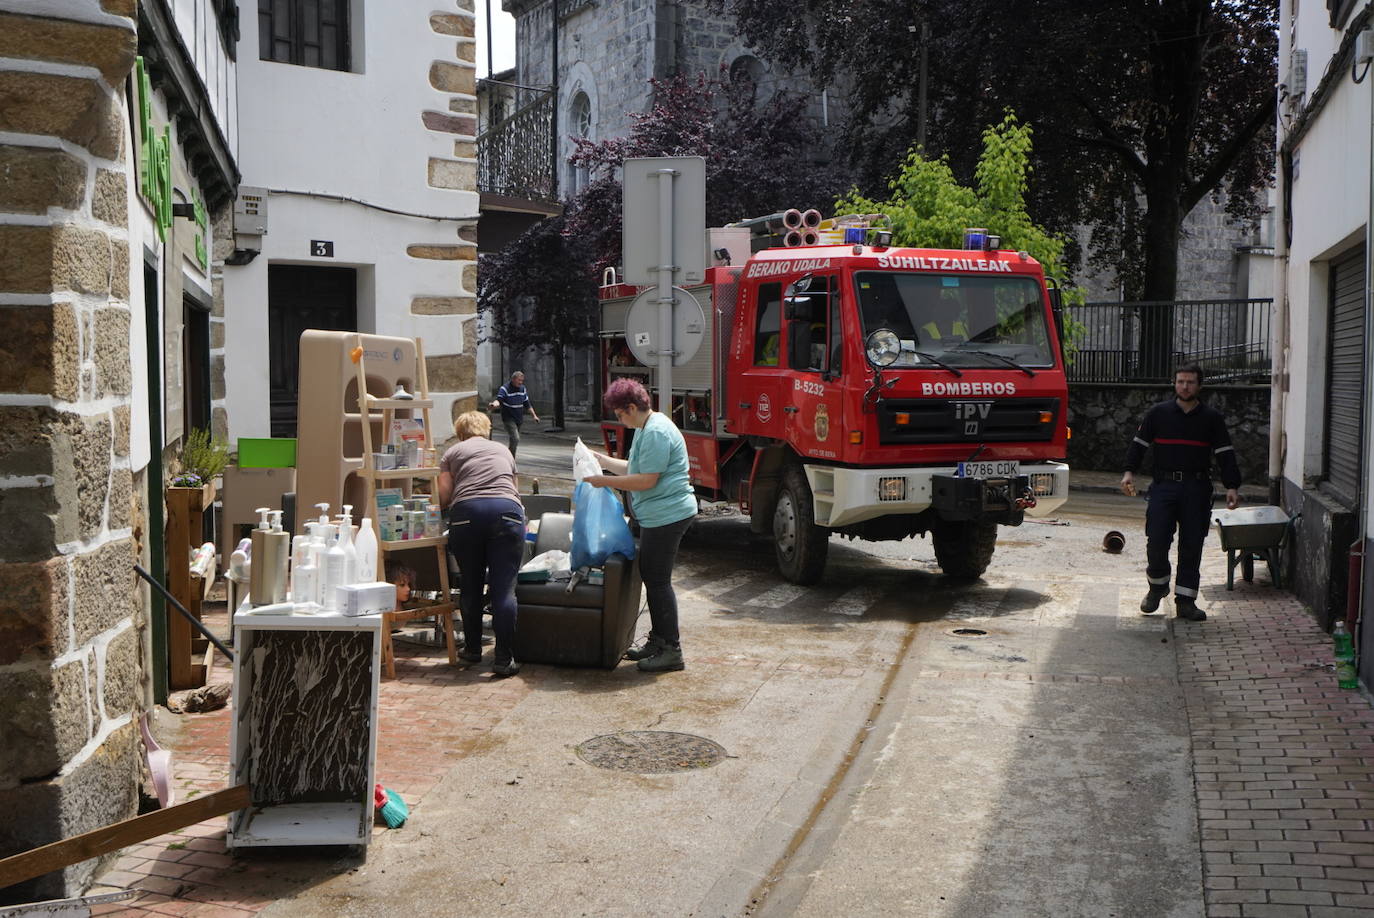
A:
1142	107
539	294
929	208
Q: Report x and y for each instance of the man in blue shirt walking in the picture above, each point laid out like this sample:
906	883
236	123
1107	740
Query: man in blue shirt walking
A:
513	401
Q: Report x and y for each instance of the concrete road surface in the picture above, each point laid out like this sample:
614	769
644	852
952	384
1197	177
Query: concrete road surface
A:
894	743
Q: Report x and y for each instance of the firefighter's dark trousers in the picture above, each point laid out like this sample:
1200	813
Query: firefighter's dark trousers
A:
1187	507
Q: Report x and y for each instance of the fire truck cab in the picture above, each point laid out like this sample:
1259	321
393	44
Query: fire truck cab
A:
874	392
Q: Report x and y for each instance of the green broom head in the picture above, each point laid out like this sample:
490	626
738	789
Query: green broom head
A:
392	808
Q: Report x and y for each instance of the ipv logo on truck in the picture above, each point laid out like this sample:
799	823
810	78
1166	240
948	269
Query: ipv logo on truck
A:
973	414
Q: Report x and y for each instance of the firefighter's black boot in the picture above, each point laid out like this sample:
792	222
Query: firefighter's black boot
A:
1188	610
1153	598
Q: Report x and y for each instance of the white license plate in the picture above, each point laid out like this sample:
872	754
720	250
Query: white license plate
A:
1001	468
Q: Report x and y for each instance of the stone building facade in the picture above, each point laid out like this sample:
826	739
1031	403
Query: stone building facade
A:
71	614
607	53
117	121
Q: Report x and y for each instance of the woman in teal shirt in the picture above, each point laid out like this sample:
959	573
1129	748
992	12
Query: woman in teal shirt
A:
661	493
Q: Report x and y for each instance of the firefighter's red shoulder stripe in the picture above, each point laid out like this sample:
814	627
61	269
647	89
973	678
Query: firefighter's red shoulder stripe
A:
1182	442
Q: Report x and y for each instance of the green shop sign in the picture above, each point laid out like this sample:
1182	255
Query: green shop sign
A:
202	223
154	158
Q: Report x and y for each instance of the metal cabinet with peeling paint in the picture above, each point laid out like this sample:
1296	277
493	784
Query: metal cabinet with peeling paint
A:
304	728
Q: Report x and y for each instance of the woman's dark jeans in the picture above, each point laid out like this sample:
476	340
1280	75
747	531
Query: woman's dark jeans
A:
657	555
487	536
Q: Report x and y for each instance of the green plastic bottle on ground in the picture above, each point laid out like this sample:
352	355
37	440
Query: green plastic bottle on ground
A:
1346	674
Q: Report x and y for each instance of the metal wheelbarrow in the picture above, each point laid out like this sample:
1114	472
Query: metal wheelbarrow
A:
1253	533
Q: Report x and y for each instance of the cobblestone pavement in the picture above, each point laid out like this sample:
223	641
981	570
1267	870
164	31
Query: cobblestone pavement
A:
431	713
1285	776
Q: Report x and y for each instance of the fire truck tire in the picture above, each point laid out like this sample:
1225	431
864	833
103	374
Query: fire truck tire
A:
964	549
800	545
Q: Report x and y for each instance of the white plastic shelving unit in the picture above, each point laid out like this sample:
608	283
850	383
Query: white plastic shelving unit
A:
304	728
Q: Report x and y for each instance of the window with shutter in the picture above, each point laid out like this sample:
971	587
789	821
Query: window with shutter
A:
1345	379
311	33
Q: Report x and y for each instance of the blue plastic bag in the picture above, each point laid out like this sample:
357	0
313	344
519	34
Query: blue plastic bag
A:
599	527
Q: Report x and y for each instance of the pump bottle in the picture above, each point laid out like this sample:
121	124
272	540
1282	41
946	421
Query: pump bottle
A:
335	570
350	550
276	561
300	556
259	592
305	575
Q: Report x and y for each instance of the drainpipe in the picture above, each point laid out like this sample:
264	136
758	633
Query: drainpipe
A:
557	167
1278	387
157	535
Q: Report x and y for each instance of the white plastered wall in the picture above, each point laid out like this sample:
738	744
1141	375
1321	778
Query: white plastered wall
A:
357	135
1330	201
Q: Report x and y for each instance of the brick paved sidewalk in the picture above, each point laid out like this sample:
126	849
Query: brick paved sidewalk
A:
431	713
1285	776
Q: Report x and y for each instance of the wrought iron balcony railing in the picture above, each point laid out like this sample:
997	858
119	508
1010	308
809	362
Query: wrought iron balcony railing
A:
515	154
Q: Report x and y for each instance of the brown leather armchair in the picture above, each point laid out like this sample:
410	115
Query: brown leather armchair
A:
592	624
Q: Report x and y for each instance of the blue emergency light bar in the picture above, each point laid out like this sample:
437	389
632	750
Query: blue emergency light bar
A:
980	240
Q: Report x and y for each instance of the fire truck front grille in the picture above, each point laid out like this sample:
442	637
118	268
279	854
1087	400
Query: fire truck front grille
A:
970	420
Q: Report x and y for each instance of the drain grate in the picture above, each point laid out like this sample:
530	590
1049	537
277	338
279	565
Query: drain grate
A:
650	752
969	632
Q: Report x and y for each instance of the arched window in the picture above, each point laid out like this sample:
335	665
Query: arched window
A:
747	69
580	115
579	125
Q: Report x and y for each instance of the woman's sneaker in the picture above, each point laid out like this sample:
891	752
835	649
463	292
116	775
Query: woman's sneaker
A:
652	645
667	660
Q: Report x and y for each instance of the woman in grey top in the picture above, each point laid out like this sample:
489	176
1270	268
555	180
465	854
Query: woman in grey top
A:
486	533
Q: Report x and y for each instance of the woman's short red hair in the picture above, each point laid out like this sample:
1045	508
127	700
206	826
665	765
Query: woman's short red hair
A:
623	393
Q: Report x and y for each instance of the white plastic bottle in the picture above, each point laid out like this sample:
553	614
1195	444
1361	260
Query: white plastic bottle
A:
305	573
350	550
300	555
366	545
335	572
319	546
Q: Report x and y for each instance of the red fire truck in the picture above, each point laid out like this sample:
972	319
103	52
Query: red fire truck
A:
871	392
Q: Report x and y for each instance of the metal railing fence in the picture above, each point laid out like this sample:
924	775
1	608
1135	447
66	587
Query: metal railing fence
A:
515	156
1142	342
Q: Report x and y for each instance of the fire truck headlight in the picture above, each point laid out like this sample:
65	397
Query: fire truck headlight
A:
1042	484
892	488
883	347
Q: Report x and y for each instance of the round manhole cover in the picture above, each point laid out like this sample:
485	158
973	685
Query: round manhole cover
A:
969	632
650	751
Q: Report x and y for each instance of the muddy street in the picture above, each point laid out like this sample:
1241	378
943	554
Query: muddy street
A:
892	743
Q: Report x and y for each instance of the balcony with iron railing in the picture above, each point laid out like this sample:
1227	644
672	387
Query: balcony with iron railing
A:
515	157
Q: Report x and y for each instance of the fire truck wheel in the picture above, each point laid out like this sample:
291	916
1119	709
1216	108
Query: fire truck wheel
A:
964	549
800	544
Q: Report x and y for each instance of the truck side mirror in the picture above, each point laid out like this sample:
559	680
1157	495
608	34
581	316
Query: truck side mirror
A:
1057	308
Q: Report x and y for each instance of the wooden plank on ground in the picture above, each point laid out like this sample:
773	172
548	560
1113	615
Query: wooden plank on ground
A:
68	851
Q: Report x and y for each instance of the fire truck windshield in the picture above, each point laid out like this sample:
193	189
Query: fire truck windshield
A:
964	321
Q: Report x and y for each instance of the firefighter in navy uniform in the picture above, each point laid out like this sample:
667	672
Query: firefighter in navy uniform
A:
1186	436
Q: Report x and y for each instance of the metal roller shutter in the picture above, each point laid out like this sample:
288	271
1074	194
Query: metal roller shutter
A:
1345	378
